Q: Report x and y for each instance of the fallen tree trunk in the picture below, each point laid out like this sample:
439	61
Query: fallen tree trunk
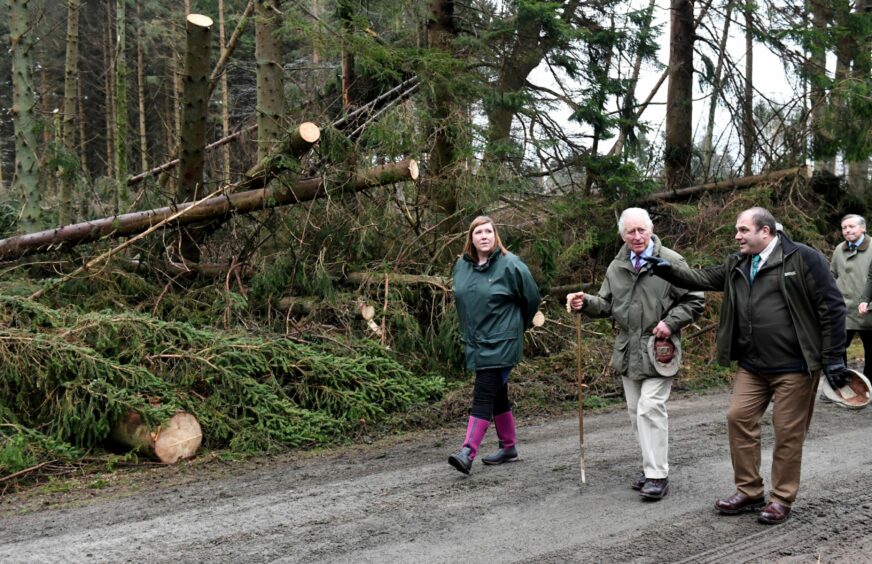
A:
176	439
727	185
218	207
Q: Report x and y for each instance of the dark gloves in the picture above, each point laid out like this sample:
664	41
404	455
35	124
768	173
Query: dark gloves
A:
837	375
658	265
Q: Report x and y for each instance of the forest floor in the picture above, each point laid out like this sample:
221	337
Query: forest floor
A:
397	500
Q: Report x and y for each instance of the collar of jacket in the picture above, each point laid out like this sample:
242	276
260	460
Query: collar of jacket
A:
623	256
788	247
863	246
492	258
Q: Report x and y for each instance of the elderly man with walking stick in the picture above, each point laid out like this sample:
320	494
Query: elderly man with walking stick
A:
649	313
783	323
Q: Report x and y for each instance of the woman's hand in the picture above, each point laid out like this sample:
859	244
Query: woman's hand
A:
863	308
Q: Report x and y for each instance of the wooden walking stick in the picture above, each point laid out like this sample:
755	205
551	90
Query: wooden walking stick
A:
580	376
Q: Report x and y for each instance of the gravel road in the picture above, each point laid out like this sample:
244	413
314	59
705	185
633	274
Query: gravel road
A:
399	501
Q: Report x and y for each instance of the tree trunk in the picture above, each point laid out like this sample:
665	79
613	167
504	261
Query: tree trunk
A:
225	98
295	144
219	207
71	77
140	83
83	141
270	76
707	144
822	141
345	15
109	88
628	121
440	185
748	97
679	96
176	439
861	72
195	105
726	185
25	180
122	195
194	120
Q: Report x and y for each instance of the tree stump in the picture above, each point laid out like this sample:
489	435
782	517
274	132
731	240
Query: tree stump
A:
176	439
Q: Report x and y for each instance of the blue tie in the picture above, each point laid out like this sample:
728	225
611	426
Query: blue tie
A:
755	264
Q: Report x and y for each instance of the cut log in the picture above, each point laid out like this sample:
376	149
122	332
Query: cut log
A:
176	439
218	207
441	282
296	143
727	185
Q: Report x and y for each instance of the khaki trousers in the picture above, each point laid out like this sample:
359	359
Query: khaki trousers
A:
793	396
646	404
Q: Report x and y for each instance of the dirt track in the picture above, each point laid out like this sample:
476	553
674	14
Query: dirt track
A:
401	502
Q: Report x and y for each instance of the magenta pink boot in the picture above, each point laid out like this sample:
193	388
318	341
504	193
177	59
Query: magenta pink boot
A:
475	430
505	424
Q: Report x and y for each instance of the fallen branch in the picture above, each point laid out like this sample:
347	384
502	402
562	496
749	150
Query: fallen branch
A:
727	185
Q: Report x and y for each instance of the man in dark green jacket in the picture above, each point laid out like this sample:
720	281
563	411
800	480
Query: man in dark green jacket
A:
783	322
643	308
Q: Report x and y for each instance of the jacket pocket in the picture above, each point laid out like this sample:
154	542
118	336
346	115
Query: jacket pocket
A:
499	349
619	354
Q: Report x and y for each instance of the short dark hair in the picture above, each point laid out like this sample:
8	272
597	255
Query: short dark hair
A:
761	217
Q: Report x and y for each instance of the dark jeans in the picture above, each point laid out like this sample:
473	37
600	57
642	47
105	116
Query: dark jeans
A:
490	396
866	338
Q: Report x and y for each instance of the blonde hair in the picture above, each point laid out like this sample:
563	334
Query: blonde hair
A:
469	248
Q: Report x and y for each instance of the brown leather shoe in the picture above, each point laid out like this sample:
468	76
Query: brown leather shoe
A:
774	514
738	503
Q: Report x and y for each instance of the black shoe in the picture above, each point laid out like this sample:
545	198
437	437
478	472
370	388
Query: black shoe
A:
461	460
502	455
638	481
655	488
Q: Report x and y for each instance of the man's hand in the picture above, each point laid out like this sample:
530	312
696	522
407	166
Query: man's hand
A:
863	308
837	375
575	301
662	331
658	265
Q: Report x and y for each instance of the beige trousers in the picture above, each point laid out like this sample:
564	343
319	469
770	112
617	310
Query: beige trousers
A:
793	396
646	404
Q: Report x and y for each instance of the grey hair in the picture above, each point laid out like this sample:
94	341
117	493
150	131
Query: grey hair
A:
634	211
860	220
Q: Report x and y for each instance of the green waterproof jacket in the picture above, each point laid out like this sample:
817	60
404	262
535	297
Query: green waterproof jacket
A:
496	302
817	308
850	269
638	302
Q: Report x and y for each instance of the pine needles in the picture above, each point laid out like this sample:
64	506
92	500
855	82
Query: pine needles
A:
66	377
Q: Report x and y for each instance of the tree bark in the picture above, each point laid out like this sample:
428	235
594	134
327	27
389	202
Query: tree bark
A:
71	77
225	98
679	96
628	121
219	207
25	181
194	117
748	97
109	89
726	185
270	77
295	144
707	144
176	439
822	140
122	196
140	83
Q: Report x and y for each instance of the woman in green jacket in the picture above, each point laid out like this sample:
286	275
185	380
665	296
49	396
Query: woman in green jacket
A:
496	300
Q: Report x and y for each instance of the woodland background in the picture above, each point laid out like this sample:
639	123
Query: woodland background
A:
252	321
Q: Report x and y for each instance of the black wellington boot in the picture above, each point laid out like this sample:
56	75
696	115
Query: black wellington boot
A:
461	460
